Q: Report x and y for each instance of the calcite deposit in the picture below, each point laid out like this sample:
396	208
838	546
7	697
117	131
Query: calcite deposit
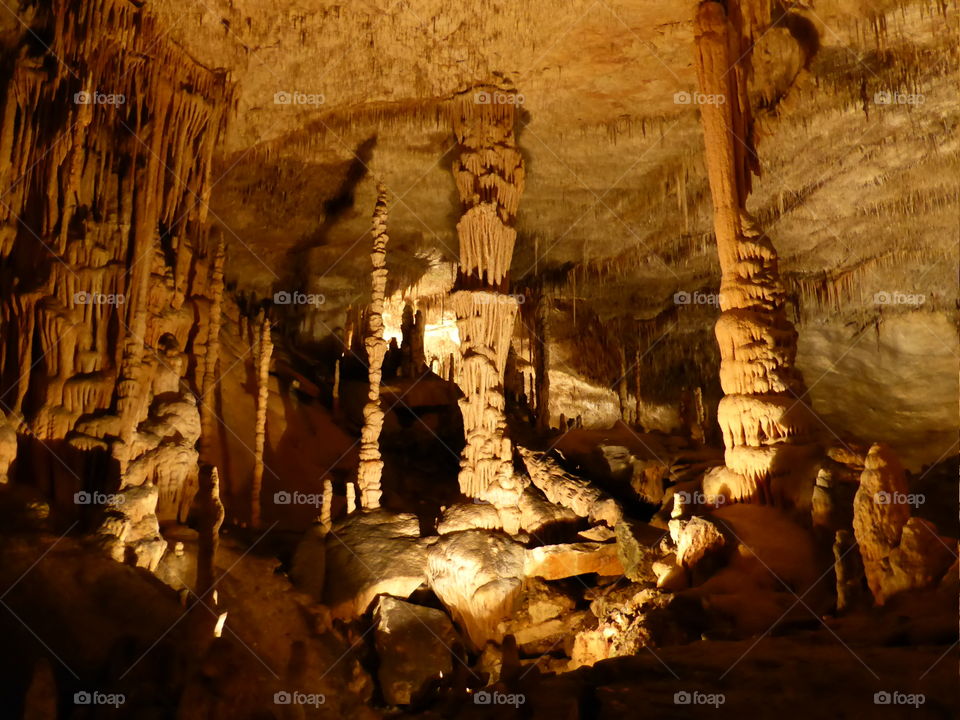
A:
576	360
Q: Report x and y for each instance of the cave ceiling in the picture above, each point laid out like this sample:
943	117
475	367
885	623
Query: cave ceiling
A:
616	208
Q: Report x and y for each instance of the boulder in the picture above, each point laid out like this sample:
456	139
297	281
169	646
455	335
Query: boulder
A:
670	576
638	547
415	645
478	576
695	539
562	488
369	553
553	562
899	552
468	516
543	619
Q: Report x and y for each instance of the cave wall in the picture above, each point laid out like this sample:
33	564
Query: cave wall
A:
107	138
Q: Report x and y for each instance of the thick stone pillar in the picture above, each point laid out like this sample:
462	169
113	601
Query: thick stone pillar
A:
489	173
764	423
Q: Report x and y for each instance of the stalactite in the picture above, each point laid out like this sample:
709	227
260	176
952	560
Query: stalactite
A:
264	352
371	464
489	174
762	416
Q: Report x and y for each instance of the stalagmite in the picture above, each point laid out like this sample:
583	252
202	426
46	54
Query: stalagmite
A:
264	351
211	515
542	360
371	465
208	399
326	506
351	498
899	552
765	423
489	175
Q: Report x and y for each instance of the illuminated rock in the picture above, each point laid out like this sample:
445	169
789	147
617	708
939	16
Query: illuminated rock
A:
478	576
368	553
414	645
899	552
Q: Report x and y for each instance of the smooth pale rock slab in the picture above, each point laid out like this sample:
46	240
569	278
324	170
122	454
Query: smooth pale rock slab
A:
468	516
537	513
597	533
553	562
478	575
371	553
414	644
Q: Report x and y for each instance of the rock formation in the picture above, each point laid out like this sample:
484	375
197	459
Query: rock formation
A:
763	416
263	353
415	644
899	552
371	466
106	258
489	175
210	518
207	388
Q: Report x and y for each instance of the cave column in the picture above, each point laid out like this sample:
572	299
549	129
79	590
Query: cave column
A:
371	465
210	519
489	175
541	356
207	396
264	351
761	416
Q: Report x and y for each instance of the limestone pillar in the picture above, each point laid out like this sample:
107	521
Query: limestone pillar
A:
371	465
264	351
489	173
765	425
